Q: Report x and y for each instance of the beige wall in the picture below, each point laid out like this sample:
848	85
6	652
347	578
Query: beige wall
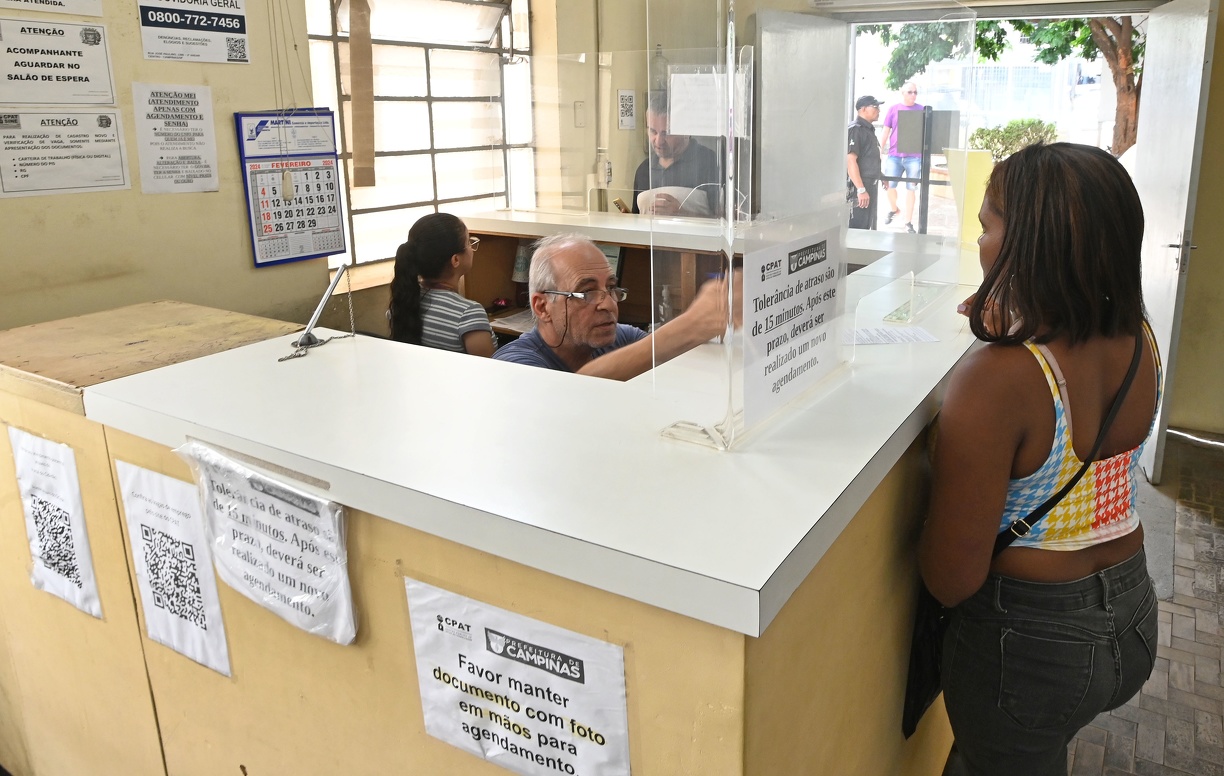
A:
66	255
1196	400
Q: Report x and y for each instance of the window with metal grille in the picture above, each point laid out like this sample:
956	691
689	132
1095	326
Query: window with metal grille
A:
432	99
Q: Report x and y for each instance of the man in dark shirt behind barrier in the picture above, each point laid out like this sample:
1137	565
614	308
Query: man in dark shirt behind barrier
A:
676	160
863	164
576	305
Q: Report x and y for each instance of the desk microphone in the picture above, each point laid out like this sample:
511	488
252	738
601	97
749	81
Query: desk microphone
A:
308	340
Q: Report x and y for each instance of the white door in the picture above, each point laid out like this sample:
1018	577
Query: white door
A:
1173	107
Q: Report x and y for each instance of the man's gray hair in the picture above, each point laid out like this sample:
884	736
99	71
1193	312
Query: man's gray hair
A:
543	276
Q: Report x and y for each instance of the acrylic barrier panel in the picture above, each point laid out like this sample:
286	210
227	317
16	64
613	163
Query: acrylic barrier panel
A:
920	250
696	182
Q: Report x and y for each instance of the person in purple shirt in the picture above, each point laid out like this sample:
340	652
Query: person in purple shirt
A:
576	304
899	165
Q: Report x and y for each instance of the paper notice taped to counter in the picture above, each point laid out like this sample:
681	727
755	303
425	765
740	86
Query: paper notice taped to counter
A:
528	696
174	572
278	545
61	563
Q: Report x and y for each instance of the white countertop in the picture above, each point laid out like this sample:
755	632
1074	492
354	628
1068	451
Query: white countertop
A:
562	473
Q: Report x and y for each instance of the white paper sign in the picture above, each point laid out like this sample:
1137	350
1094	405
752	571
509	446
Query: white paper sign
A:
55	520
194	30
626	114
528	696
74	7
173	569
50	63
276	544
793	297
73	152
178	147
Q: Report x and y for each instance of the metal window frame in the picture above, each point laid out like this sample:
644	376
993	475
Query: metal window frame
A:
502	45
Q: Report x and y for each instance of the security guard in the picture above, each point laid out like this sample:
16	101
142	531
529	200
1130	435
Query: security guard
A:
863	164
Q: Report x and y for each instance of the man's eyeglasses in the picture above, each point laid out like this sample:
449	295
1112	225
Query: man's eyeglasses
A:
592	297
910	91
474	242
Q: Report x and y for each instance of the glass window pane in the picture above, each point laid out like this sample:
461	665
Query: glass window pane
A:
468	206
469	174
399	71
318	17
400	179
346	85
520	16
518	102
430	21
323	74
522	179
464	124
376	236
401	126
464	74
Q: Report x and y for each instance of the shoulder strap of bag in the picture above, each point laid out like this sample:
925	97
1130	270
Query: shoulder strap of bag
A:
1023	525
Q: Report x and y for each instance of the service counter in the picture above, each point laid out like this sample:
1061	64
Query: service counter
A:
74	691
762	595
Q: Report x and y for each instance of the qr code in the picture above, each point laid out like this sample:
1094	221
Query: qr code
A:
54	530
171	567
626	106
235	49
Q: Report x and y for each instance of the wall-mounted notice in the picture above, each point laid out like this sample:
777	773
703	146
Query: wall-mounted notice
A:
74	152
523	694
194	30
276	544
178	591
793	297
626	113
55	520
178	148
74	7
289	168
50	63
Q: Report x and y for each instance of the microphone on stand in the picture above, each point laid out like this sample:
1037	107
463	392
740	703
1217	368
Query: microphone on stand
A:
308	339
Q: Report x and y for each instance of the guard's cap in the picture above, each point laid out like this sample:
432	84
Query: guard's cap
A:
865	101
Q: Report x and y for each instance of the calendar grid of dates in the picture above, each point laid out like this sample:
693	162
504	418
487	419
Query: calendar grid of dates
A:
308	222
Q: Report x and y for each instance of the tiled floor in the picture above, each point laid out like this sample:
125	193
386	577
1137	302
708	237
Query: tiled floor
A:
1174	726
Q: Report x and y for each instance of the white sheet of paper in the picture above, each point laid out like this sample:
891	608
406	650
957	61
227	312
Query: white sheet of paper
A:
55	520
278	545
889	335
794	303
539	700
178	147
173	565
54	63
187	31
73	152
74	7
693	201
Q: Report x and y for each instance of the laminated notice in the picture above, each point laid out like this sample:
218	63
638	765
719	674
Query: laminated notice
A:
275	543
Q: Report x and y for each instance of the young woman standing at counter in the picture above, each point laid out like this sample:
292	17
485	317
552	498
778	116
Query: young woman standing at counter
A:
1062	625
426	308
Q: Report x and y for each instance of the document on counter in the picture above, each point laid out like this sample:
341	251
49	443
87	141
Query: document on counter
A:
72	152
521	322
889	335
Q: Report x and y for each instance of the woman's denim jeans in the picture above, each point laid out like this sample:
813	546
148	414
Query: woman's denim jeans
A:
1027	664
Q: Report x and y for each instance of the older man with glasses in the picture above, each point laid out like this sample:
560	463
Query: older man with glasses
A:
899	165
575	301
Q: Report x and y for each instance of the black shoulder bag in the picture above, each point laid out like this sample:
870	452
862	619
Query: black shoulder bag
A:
922	683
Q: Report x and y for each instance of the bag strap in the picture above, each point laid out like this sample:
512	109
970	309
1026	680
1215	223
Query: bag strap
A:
1023	525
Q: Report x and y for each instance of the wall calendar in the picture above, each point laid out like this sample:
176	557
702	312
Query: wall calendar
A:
291	175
